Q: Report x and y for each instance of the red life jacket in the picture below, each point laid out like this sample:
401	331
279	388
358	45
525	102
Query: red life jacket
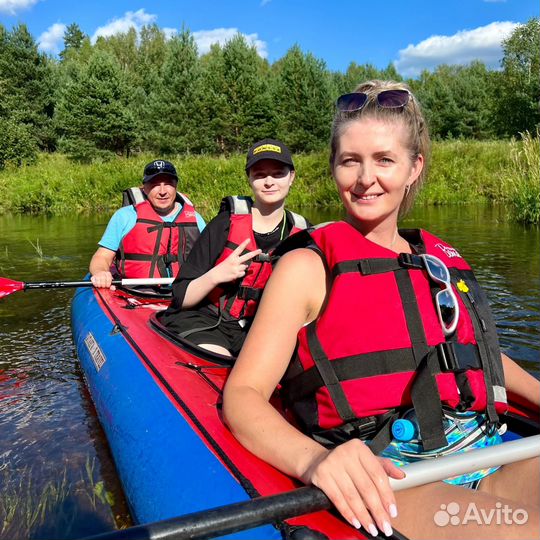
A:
155	248
242	301
391	352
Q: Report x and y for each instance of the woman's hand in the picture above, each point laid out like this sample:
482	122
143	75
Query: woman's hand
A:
103	280
234	266
356	481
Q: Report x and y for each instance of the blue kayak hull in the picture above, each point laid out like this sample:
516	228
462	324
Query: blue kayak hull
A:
166	470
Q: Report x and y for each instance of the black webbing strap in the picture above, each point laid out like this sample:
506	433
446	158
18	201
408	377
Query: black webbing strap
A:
329	376
479	327
366	267
424	392
137	257
231	245
249	293
155	255
352	367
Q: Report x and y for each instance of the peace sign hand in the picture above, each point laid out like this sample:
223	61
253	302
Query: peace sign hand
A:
234	266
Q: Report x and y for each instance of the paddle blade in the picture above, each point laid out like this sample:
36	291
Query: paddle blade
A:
8	286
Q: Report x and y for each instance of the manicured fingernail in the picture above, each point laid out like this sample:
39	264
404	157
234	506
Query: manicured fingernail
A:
356	523
393	510
373	530
387	529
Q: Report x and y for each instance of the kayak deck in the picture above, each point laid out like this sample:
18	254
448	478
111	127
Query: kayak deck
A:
159	400
129	365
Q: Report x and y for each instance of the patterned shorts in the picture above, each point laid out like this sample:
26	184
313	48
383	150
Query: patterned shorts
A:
464	431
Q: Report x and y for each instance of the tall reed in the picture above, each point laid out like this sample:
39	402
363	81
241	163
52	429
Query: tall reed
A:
520	183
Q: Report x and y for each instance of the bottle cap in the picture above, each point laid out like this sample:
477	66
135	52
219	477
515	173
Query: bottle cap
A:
403	430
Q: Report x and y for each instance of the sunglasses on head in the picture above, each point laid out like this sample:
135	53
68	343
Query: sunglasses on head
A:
387	99
445	300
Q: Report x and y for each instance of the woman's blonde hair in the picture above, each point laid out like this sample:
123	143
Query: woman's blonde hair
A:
411	116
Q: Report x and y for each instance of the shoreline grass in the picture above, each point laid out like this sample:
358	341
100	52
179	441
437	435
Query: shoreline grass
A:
461	172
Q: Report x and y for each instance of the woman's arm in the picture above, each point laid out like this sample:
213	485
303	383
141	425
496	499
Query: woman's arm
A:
521	386
354	479
233	267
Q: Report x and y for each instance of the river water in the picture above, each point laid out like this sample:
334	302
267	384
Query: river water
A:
57	478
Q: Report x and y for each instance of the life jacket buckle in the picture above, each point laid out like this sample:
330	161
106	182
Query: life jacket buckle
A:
249	293
447	357
169	258
408	260
263	258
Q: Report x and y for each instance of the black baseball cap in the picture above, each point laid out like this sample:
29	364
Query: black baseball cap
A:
269	149
157	167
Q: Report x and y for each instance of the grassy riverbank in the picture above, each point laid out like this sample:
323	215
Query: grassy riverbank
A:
462	172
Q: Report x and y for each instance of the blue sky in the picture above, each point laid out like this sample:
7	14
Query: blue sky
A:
413	34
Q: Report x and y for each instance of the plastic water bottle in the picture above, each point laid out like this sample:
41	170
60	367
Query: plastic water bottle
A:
405	429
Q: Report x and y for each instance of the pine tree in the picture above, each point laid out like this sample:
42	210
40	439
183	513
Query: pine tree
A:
73	40
236	98
27	78
303	100
93	115
172	116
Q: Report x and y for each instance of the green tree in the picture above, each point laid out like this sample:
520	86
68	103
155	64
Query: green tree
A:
457	100
356	74
236	101
519	83
303	100
17	145
93	114
73	40
172	114
27	78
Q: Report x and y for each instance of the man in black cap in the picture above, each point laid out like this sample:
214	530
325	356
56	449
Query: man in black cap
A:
145	239
218	288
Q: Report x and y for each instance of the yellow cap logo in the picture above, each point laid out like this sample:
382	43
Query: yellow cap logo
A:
462	286
267	148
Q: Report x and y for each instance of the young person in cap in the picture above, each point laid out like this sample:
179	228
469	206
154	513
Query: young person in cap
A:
218	288
367	324
151	238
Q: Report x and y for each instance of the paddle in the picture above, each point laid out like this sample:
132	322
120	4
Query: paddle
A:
246	515
8	286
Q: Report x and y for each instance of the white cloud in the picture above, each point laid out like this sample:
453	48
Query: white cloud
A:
11	7
483	43
131	19
51	39
264	2
169	32
206	38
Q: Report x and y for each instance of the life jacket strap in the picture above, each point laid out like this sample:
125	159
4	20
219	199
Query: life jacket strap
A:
328	375
375	429
249	293
424	391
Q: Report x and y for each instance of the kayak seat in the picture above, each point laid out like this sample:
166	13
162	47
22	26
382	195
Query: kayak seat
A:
188	346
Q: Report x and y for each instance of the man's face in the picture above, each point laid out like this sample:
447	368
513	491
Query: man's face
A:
161	192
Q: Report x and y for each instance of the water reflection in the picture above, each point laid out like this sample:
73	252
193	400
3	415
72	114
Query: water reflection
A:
53	456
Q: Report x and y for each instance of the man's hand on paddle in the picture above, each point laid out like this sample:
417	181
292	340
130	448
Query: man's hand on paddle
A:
103	280
235	265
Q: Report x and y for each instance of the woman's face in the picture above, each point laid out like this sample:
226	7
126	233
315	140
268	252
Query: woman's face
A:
270	181
372	168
